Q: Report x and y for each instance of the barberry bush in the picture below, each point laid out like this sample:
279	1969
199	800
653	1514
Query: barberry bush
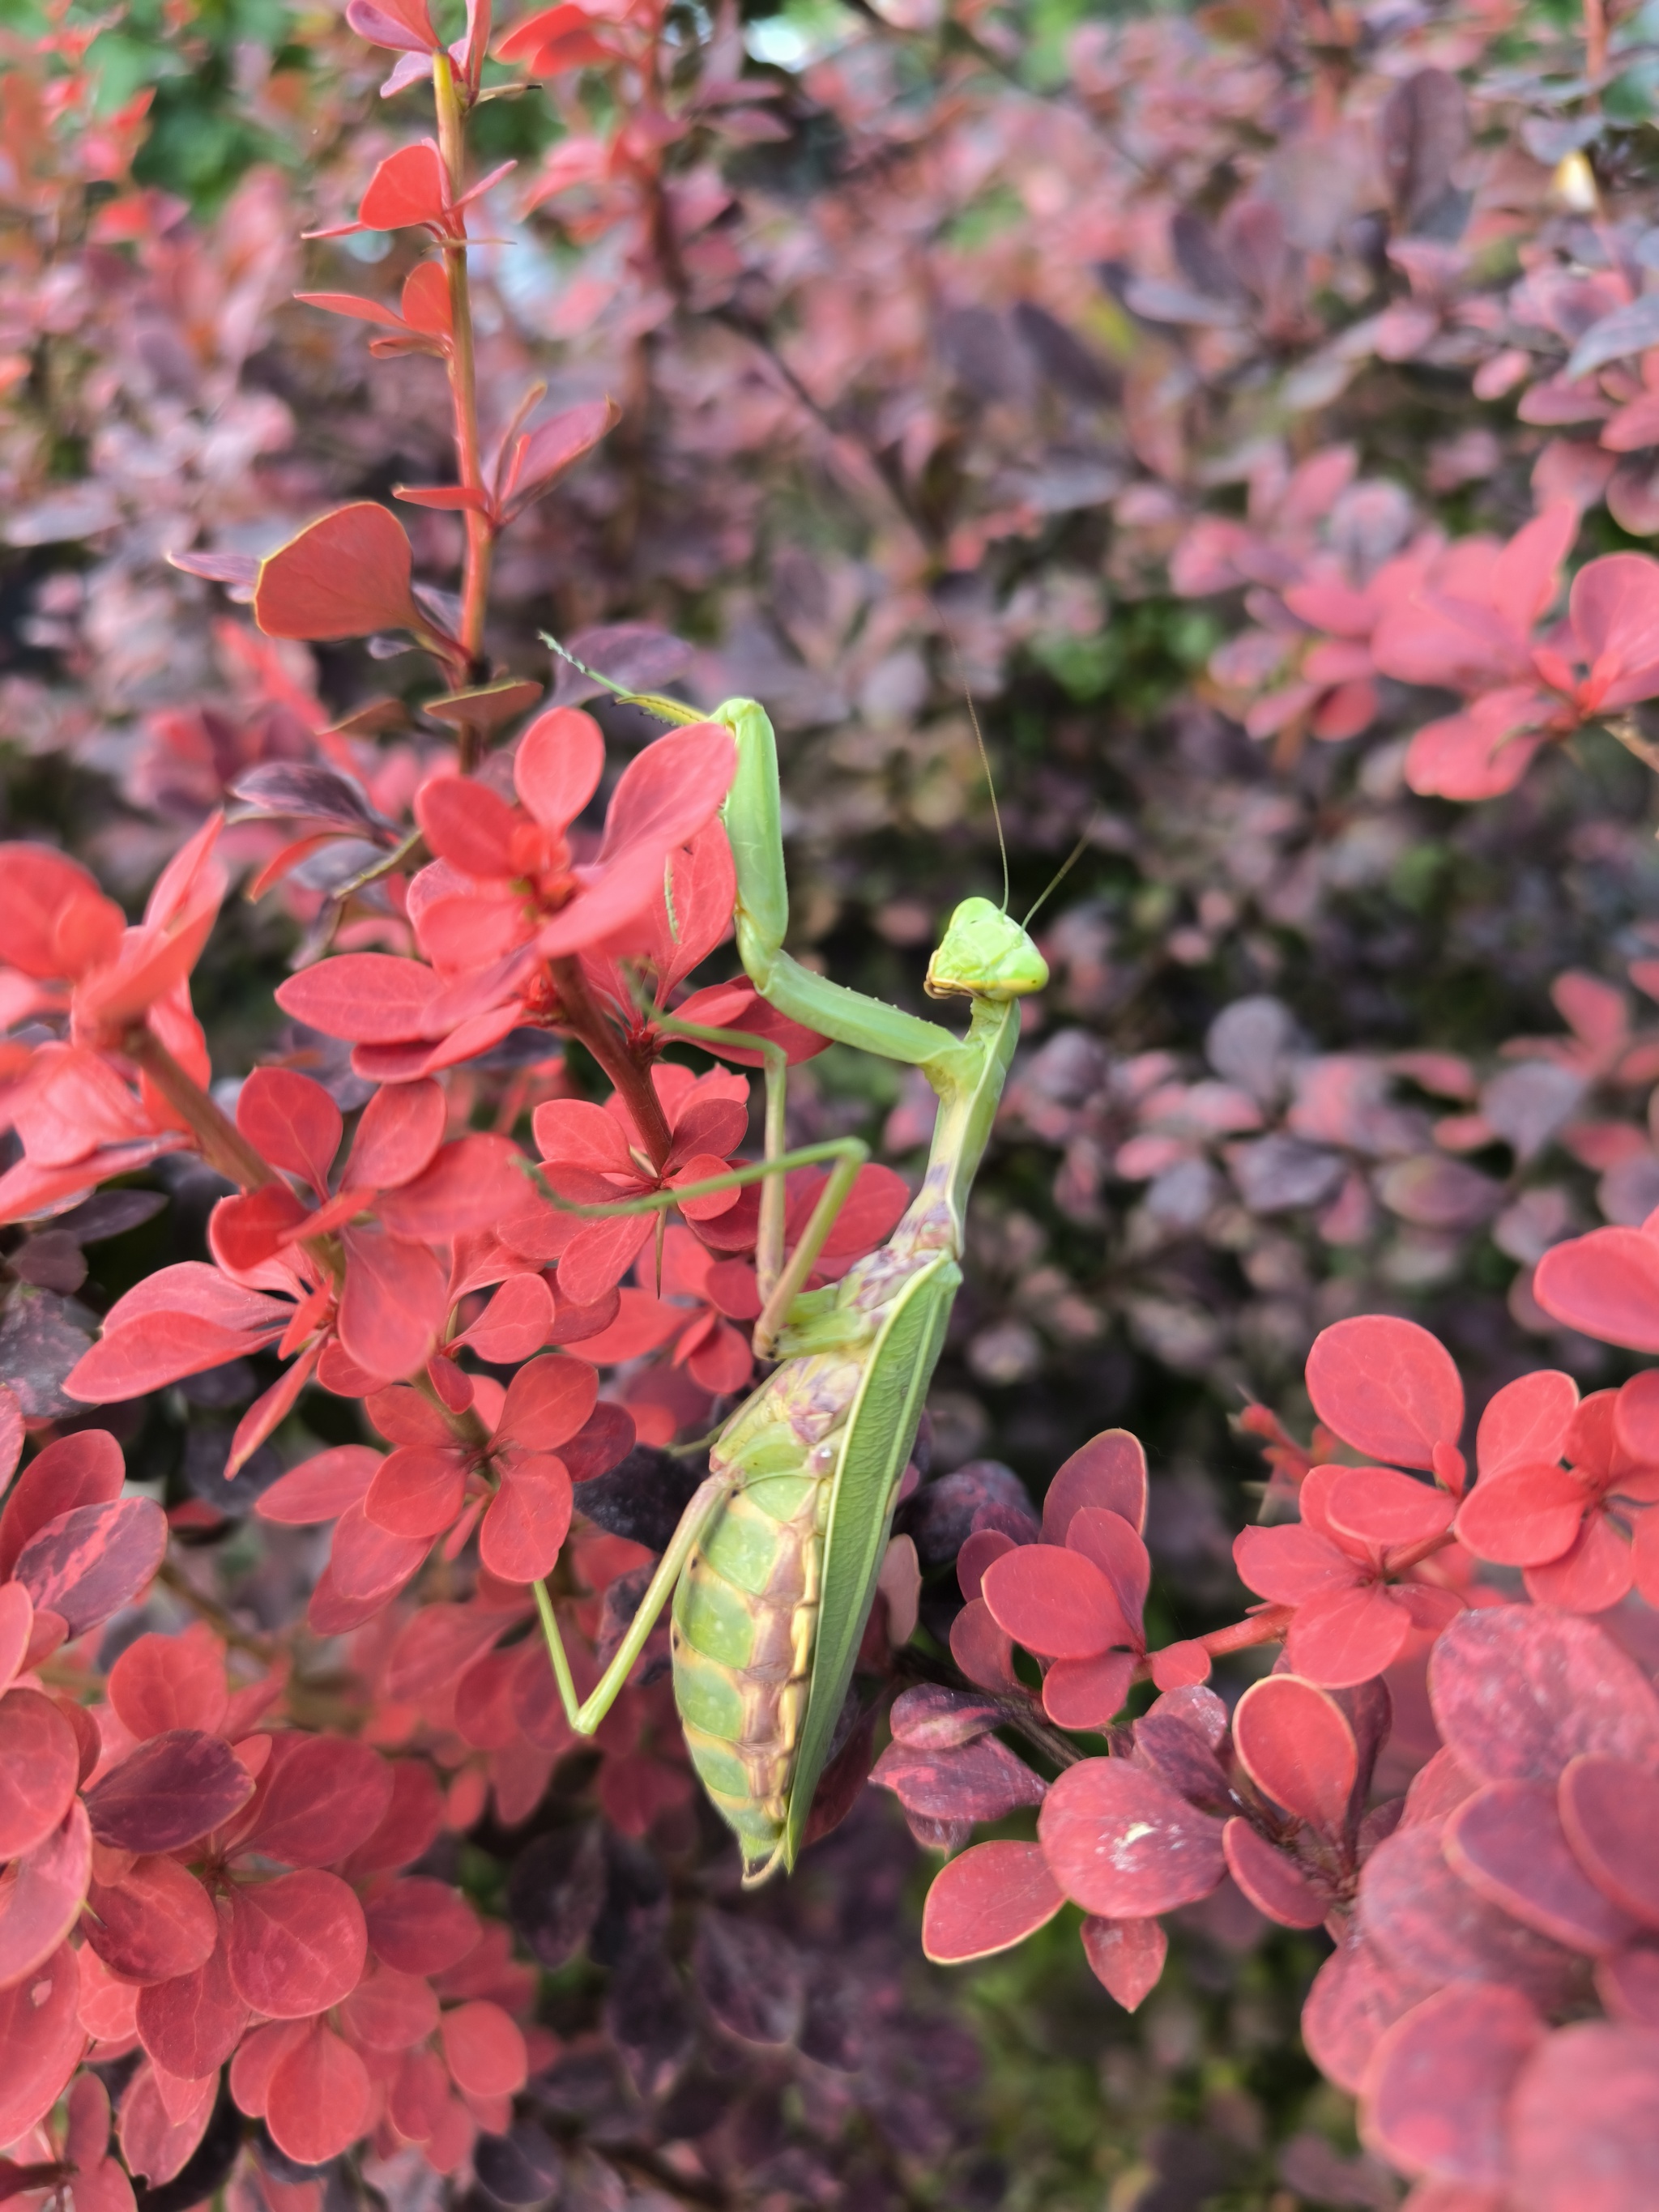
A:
1253	407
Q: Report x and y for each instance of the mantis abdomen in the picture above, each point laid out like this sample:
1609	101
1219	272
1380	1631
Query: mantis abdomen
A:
815	1457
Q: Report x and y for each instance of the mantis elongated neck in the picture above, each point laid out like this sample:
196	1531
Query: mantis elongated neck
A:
970	1083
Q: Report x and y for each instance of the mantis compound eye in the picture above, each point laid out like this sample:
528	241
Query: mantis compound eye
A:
985	954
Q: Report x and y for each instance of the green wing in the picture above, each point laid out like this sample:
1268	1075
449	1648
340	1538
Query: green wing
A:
880	1431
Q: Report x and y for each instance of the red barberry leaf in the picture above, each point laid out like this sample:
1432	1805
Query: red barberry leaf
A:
991	1897
1427	1921
1054	1601
174	1788
1525	1422
1583	2119
320	1798
1124	1956
162	1682
390	2011
515	1323
39	1770
416	1491
1507	1842
1356	1995
319	2098
153	1925
547	1403
1345	1637
1529	1513
41	1903
980	1780
291	1121
1088	1693
1107	1540
394	1302
191	2025
296	1945
984	1651
1273	1880
420	1926
1296	1745
368	998
528	1519
1606	1284
1438	2083
1386	1387
1609	1809
42	2037
320	1488
1120	1842
345	575
162	2121
1108	1471
484	2049
1517	1692
1385	1512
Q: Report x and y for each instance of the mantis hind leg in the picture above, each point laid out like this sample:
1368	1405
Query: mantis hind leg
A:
585	1714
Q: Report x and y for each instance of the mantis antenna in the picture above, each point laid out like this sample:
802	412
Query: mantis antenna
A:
665	710
1063	870
985	757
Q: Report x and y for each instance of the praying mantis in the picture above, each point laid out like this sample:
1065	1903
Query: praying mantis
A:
772	1569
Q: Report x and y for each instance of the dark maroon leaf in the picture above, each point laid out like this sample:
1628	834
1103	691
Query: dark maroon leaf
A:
642	1498
636	655
42	1337
88	1563
980	1780
649	2017
752	1980
556	1891
941	1514
523	2166
1422	131
311	793
168	1792
932	1717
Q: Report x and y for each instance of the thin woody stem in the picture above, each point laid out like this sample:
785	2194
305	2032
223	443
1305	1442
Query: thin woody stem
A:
579	1014
1267	1626
463	388
218	1139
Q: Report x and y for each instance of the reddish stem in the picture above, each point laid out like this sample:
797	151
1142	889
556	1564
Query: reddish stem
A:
218	1139
463	388
582	1019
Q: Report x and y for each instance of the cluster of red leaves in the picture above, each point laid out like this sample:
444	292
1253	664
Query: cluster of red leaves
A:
195	1882
1467	1915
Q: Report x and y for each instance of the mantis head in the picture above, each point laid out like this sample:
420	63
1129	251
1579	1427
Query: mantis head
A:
985	954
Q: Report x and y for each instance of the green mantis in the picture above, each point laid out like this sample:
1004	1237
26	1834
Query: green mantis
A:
773	1570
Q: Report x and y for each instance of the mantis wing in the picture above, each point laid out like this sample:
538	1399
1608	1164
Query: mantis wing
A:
880	1431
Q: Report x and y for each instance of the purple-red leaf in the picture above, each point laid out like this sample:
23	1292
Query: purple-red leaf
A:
1120	1842
1439	2081
172	1790
89	1563
1508	1843
991	1897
